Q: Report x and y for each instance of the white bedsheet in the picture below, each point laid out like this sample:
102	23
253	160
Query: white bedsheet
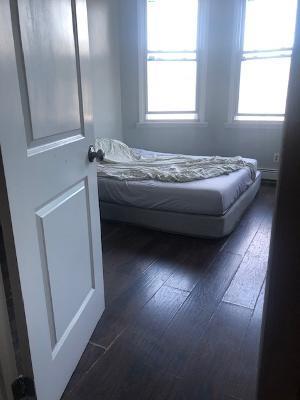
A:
213	196
122	163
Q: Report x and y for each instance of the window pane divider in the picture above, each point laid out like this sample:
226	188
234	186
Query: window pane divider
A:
171	59
172	51
172	112
268	50
259	115
265	57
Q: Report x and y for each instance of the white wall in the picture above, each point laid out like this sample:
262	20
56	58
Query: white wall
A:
216	138
103	18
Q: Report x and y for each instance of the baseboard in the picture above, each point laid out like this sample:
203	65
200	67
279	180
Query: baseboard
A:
269	174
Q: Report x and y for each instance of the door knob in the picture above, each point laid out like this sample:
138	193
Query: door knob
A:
93	154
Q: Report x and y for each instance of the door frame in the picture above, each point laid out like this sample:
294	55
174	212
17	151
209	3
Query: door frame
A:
24	367
279	369
8	366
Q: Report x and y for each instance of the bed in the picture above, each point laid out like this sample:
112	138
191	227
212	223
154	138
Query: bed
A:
207	208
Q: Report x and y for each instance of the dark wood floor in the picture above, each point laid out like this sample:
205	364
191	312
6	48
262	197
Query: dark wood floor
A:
183	315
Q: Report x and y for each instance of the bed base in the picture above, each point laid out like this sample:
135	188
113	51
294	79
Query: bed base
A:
207	226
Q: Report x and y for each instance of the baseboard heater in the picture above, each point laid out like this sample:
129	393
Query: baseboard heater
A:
269	174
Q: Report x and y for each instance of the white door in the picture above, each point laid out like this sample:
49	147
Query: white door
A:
46	127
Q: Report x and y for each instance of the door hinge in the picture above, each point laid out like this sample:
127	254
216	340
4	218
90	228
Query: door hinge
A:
23	388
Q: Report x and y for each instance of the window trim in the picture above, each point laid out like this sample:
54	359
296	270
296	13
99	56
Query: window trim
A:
201	55
234	118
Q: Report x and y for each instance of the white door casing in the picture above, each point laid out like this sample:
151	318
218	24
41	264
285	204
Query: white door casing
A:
8	369
45	131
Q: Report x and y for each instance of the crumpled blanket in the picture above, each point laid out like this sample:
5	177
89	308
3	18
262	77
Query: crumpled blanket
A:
122	163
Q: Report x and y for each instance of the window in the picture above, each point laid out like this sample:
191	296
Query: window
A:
170	61
264	60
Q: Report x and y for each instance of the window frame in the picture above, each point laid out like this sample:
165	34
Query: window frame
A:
235	118
201	59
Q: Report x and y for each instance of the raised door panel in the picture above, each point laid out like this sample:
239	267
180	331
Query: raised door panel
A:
66	252
50	71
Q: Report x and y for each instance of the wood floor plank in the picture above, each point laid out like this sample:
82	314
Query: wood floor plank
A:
247	283
243	385
239	241
156	315
134	293
128	362
191	321
261	242
128	269
196	258
117	235
212	365
90	356
121	249
109	228
119	314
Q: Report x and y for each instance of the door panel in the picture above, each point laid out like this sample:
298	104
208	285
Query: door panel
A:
70	287
45	131
50	74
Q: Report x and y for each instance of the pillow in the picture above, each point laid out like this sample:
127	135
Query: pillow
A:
115	150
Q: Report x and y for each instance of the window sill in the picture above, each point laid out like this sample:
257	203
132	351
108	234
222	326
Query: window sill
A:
172	124
255	124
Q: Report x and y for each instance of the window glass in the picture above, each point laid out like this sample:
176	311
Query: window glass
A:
266	57
172	27
263	87
171	85
269	24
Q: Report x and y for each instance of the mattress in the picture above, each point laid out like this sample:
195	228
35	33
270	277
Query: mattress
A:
212	196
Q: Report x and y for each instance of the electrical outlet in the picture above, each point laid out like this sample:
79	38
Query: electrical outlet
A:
276	157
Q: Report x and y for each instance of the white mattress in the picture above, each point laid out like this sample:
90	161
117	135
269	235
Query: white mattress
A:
212	196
